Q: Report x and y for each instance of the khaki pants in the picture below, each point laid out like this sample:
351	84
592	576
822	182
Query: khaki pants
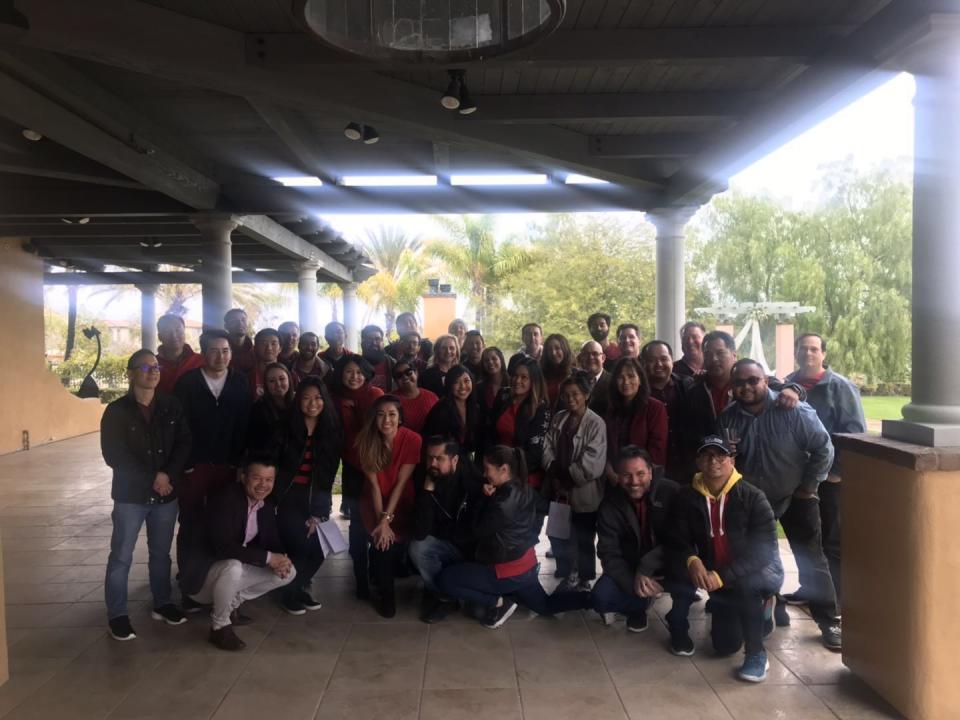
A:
230	583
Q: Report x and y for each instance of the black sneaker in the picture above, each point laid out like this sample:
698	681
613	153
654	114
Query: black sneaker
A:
832	636
192	606
681	643
292	605
780	614
306	599
637	622
499	615
238	619
170	614
796	598
432	609
226	639
121	629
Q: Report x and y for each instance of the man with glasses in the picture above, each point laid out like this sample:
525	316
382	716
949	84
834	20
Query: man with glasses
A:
145	440
591	359
786	454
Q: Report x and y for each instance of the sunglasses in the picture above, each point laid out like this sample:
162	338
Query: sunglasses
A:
751	381
409	372
146	368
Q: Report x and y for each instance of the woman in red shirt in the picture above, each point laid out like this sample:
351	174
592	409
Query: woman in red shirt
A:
416	401
492	377
556	360
633	417
354	396
388	453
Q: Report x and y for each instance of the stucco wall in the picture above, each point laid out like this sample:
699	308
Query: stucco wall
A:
32	397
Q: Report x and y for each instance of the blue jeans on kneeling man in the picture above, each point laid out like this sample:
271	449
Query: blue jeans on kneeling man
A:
431	555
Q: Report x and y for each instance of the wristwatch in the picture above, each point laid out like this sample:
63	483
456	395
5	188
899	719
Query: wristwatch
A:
386	515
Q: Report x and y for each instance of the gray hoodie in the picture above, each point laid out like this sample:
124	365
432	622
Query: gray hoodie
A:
780	451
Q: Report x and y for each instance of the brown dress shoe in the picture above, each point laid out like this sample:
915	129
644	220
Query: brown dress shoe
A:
226	639
238	619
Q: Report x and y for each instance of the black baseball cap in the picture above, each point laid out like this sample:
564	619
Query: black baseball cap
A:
714	441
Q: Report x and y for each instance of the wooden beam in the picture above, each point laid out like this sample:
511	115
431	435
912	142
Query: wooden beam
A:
35	96
162	278
274	235
575	48
663	145
295	134
40	198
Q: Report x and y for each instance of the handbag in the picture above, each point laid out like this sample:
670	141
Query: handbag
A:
330	538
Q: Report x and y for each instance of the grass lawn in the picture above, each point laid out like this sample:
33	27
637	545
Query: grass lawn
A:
880	407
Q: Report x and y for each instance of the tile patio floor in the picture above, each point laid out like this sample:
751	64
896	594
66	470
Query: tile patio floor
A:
344	661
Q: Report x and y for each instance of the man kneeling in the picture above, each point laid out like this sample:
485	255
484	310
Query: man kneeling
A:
241	556
725	542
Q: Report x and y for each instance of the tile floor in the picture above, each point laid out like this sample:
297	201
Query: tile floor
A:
344	661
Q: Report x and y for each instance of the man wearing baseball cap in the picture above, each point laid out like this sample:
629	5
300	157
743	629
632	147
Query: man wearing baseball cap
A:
724	542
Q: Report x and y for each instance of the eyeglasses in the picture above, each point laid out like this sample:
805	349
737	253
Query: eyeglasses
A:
409	372
145	368
751	381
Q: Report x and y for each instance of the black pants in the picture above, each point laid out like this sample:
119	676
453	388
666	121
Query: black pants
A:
352	486
830	526
736	617
384	566
583	527
305	552
801	523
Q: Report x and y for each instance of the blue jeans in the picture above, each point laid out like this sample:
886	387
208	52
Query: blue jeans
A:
128	518
608	596
479	584
431	555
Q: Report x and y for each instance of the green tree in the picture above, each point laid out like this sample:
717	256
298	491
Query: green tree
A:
401	272
478	264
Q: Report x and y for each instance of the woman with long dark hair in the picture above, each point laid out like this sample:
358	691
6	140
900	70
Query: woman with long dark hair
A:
506	528
272	410
446	354
354	396
556	361
308	456
520	416
388	454
492	377
457	415
633	417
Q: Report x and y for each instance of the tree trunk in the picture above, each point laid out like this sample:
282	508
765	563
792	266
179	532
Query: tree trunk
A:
71	321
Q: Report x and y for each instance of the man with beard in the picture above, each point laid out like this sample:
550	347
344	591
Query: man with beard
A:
308	360
241	346
670	389
405	324
289	340
598	325
786	454
443	518
590	360
371	347
691	343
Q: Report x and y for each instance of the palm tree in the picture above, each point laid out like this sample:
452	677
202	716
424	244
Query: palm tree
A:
477	264
401	272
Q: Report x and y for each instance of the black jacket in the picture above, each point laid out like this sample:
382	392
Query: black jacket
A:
529	434
432	379
443	419
218	425
600	394
622	552
226	528
265	425
446	512
137	451
290	447
750	528
505	525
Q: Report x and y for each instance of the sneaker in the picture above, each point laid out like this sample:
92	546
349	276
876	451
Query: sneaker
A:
306	599
832	636
121	629
345	512
238	619
637	622
170	614
432	608
499	615
681	644
754	668
226	639
568	584
796	598
190	605
584	586
780	614
292	605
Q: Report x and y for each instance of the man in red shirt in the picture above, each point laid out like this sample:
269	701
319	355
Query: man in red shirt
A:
174	355
241	346
371	346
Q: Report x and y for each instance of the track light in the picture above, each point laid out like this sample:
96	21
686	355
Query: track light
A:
451	98
353	131
467	105
370	136
31	135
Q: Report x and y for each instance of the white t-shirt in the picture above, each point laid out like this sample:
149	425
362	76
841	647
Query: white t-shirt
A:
215	384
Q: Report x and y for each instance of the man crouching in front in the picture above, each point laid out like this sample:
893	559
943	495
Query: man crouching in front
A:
241	557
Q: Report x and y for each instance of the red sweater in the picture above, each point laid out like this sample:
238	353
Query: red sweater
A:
647	429
406	451
173	370
415	410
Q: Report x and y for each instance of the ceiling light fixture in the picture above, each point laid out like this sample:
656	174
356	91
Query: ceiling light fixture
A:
353	131
388	180
511	179
577	179
31	135
150	243
370	136
300	181
451	98
467	105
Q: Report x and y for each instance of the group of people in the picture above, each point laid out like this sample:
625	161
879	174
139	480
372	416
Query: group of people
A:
673	472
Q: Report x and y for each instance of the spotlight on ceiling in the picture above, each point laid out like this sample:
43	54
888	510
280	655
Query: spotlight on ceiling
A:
451	98
370	136
150	243
83	221
353	131
467	105
31	135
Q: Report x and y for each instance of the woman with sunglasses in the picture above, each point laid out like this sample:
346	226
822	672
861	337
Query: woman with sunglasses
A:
457	414
633	417
388	454
416	401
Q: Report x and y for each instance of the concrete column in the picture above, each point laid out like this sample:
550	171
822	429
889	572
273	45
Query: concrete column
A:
307	296
216	269
148	316
671	300
350	315
933	415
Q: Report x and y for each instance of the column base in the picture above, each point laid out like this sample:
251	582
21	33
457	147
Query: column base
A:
918	433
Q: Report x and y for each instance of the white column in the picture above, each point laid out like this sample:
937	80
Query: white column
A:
148	316
307	296
671	289
216	269
350	315
933	415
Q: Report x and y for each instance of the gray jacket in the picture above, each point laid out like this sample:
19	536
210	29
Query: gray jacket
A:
780	451
837	402
589	460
